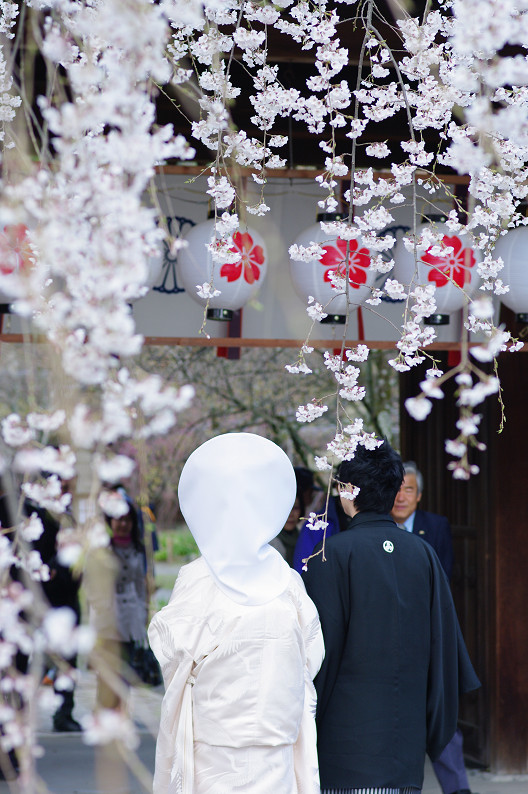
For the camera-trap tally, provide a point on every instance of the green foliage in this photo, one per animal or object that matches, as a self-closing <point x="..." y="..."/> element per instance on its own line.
<point x="175" y="545"/>
<point x="256" y="394"/>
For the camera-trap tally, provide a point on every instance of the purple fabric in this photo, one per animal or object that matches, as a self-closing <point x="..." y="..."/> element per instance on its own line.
<point x="450" y="768"/>
<point x="310" y="539"/>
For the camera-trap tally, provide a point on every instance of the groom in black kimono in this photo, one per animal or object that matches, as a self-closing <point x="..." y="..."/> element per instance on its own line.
<point x="449" y="767"/>
<point x="395" y="659"/>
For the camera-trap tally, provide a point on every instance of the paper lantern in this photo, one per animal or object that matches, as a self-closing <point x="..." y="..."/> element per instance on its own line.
<point x="512" y="248"/>
<point x="453" y="269"/>
<point x="15" y="255"/>
<point x="313" y="278"/>
<point x="238" y="281"/>
<point x="155" y="265"/>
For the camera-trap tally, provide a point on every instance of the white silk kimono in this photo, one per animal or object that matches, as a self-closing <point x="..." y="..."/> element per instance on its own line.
<point x="238" y="714"/>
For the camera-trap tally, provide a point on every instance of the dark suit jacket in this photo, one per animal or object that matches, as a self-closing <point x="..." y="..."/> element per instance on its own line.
<point x="436" y="531"/>
<point x="395" y="659"/>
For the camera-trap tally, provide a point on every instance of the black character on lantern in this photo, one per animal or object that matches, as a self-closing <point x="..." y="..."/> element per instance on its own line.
<point x="175" y="228"/>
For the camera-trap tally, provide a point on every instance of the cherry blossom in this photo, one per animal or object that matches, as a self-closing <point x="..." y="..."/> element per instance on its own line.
<point x="315" y="522"/>
<point x="315" y="310"/>
<point x="322" y="463"/>
<point x="115" y="469"/>
<point x="307" y="413"/>
<point x="207" y="291"/>
<point x="106" y="725"/>
<point x="418" y="407"/>
<point x="32" y="528"/>
<point x="15" y="248"/>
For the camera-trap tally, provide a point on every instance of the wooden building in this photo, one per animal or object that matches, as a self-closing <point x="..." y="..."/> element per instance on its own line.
<point x="489" y="517"/>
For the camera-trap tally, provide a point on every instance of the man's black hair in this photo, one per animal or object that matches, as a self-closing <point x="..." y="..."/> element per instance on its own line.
<point x="378" y="473"/>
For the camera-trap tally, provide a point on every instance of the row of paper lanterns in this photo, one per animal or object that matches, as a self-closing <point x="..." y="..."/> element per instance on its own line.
<point x="450" y="265"/>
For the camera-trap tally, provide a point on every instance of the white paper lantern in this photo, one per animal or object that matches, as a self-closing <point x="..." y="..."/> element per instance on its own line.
<point x="238" y="282"/>
<point x="313" y="278"/>
<point x="452" y="269"/>
<point x="155" y="265"/>
<point x="154" y="262"/>
<point x="513" y="249"/>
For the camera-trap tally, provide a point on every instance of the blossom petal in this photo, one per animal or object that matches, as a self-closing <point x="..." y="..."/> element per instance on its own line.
<point x="438" y="276"/>
<point x="251" y="273"/>
<point x="453" y="242"/>
<point x="357" y="276"/>
<point x="231" y="271"/>
<point x="243" y="241"/>
<point x="331" y="258"/>
<point x="257" y="255"/>
<point x="461" y="275"/>
<point x="431" y="259"/>
<point x="361" y="258"/>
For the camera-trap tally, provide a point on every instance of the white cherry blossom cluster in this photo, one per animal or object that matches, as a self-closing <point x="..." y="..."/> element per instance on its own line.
<point x="107" y="725"/>
<point x="343" y="446"/>
<point x="316" y="522"/>
<point x="311" y="411"/>
<point x="315" y="310"/>
<point x="90" y="238"/>
<point x="346" y="439"/>
<point x="439" y="74"/>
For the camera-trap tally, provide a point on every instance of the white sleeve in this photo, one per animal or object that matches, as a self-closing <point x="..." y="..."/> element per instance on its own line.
<point x="174" y="768"/>
<point x="305" y="749"/>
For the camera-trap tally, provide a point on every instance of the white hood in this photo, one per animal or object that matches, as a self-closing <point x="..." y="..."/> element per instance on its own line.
<point x="236" y="492"/>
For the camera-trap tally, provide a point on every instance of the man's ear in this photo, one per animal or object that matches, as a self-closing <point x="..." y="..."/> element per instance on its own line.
<point x="345" y="488"/>
<point x="418" y="497"/>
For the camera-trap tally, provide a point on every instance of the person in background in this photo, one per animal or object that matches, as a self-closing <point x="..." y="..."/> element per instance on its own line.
<point x="395" y="659"/>
<point x="430" y="527"/>
<point x="147" y="518"/>
<point x="239" y="641"/>
<point x="286" y="540"/>
<point x="305" y="485"/>
<point x="9" y="766"/>
<point x="116" y="592"/>
<point x="449" y="768"/>
<point x="62" y="590"/>
<point x="309" y="538"/>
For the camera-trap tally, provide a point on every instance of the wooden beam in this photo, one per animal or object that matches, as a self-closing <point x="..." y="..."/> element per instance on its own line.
<point x="303" y="172"/>
<point x="223" y="341"/>
<point x="197" y="341"/>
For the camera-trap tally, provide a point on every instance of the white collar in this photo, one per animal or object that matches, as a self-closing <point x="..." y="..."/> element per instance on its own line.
<point x="409" y="522"/>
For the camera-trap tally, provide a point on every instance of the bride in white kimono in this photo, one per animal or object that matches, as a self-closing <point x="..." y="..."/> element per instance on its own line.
<point x="239" y="642"/>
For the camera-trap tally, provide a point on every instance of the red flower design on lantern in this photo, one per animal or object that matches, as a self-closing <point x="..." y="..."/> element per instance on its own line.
<point x="450" y="267"/>
<point x="250" y="262"/>
<point x="15" y="250"/>
<point x="335" y="259"/>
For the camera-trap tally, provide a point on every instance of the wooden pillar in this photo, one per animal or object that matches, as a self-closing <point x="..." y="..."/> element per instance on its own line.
<point x="466" y="505"/>
<point x="489" y="519"/>
<point x="508" y="552"/>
